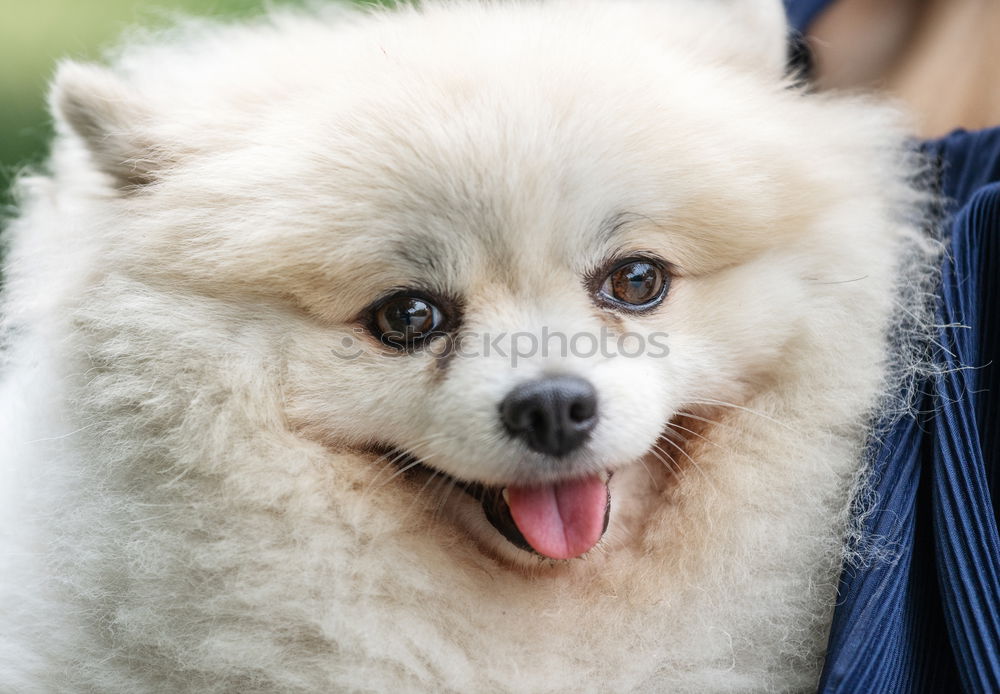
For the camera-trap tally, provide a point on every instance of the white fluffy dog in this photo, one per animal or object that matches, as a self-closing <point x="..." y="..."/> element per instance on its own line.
<point x="269" y="419"/>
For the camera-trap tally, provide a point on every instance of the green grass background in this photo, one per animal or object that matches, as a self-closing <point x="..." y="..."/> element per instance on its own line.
<point x="35" y="34"/>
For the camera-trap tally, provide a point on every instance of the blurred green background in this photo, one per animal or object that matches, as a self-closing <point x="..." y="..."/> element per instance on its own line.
<point x="34" y="34"/>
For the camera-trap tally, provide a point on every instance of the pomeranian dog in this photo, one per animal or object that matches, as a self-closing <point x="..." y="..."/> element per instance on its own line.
<point x="467" y="347"/>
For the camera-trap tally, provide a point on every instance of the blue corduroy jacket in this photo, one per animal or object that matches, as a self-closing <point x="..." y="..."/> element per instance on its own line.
<point x="929" y="621"/>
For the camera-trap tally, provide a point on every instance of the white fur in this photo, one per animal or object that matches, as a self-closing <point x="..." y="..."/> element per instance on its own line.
<point x="187" y="501"/>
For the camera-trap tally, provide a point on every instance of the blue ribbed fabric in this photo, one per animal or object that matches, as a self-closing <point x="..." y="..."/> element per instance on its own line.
<point x="930" y="620"/>
<point x="801" y="13"/>
<point x="968" y="557"/>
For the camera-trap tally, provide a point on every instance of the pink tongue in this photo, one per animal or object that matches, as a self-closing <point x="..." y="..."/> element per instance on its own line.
<point x="561" y="520"/>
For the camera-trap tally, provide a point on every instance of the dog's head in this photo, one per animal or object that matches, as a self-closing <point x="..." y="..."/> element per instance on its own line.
<point x="494" y="245"/>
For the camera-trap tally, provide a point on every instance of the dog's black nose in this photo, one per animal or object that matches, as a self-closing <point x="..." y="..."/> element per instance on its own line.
<point x="552" y="415"/>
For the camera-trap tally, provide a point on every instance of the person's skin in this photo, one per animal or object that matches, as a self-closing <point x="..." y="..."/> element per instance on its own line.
<point x="940" y="57"/>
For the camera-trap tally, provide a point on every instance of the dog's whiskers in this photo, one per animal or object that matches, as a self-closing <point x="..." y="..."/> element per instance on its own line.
<point x="394" y="457"/>
<point x="674" y="425"/>
<point x="652" y="479"/>
<point x="742" y="408"/>
<point x="672" y="465"/>
<point x="385" y="461"/>
<point x="416" y="497"/>
<point x="693" y="462"/>
<point x="680" y="449"/>
<point x="443" y="498"/>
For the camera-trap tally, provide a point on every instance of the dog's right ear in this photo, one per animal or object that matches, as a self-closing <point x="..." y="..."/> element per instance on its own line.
<point x="750" y="35"/>
<point x="754" y="33"/>
<point x="98" y="107"/>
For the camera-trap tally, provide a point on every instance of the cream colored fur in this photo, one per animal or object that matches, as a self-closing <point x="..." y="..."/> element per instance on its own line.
<point x="188" y="504"/>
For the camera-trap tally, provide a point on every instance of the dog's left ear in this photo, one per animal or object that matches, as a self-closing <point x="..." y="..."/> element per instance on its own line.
<point x="754" y="33"/>
<point x="751" y="35"/>
<point x="98" y="107"/>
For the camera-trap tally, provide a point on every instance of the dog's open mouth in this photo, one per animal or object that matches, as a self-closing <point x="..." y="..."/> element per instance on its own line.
<point x="561" y="520"/>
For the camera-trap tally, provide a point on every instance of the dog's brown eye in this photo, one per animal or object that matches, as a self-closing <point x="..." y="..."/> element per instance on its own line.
<point x="636" y="283"/>
<point x="404" y="321"/>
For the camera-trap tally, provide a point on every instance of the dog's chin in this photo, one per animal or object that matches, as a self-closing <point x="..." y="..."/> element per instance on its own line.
<point x="484" y="512"/>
